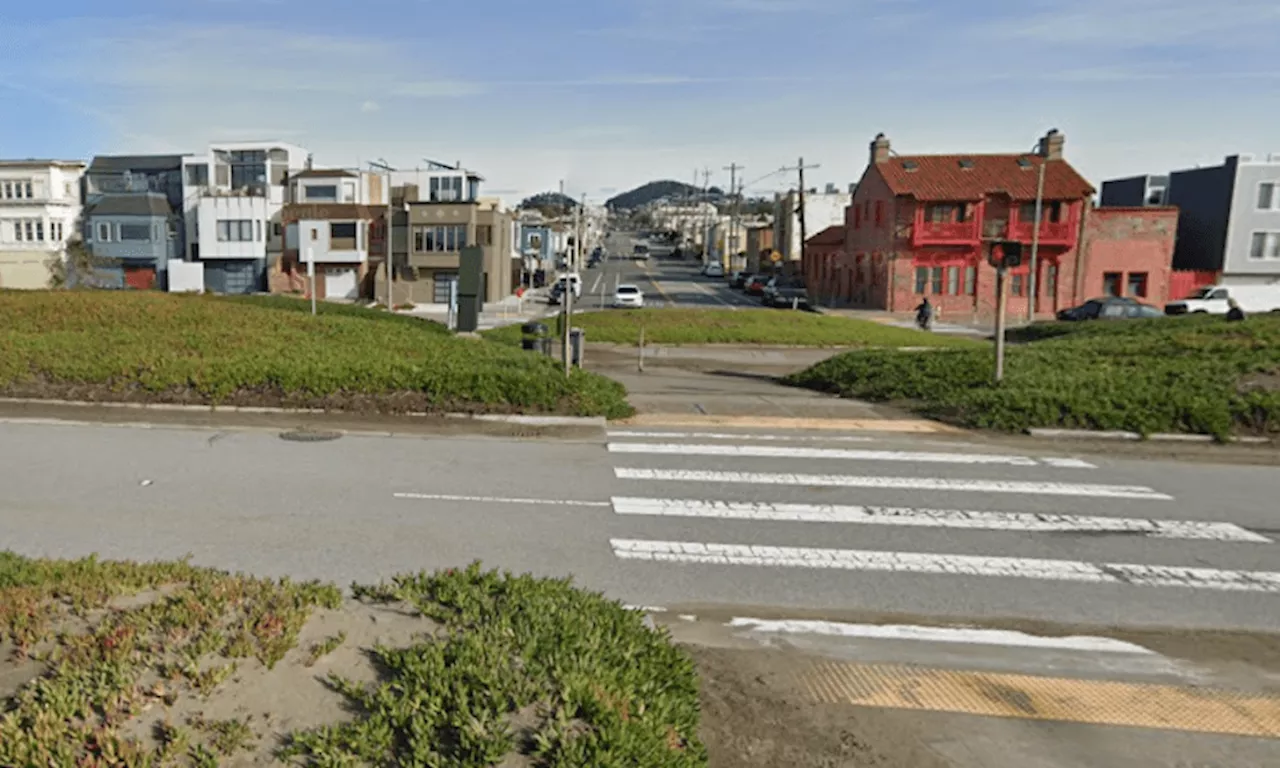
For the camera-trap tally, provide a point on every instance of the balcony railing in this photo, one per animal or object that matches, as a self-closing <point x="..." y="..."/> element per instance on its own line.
<point x="1051" y="232"/>
<point x="945" y="233"/>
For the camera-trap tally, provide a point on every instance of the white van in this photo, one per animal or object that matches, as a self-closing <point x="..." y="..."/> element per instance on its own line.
<point x="574" y="281"/>
<point x="1214" y="300"/>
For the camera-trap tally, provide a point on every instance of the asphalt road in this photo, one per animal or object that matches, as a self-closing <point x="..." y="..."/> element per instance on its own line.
<point x="665" y="281"/>
<point x="838" y="522"/>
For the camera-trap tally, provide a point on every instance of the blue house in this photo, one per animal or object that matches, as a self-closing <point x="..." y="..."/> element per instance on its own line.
<point x="138" y="233"/>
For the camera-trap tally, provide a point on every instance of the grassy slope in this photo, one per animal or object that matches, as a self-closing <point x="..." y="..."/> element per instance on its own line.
<point x="144" y="345"/>
<point x="587" y="682"/>
<point x="745" y="326"/>
<point x="1199" y="375"/>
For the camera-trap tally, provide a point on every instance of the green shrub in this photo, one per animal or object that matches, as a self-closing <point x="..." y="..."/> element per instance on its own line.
<point x="211" y="349"/>
<point x="1198" y="375"/>
<point x="735" y="326"/>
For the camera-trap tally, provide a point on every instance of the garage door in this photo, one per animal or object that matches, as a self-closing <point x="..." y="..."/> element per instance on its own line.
<point x="231" y="276"/>
<point x="140" y="278"/>
<point x="341" y="284"/>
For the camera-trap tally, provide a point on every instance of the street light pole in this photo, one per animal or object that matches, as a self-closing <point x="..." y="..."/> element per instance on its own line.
<point x="1033" y="288"/>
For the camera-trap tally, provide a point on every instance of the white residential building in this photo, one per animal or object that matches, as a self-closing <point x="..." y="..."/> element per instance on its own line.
<point x="39" y="213"/>
<point x="336" y="219"/>
<point x="232" y="198"/>
<point x="821" y="210"/>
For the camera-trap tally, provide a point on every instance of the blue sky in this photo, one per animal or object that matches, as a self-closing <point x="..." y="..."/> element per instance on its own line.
<point x="606" y="94"/>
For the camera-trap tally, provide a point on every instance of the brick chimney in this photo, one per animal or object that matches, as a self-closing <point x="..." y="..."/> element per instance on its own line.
<point x="880" y="149"/>
<point x="1051" y="145"/>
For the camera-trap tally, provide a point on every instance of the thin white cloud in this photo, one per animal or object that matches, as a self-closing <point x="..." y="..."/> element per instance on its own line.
<point x="1122" y="24"/>
<point x="369" y="106"/>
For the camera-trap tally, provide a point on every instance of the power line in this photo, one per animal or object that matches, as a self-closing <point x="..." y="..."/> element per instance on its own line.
<point x="800" y="168"/>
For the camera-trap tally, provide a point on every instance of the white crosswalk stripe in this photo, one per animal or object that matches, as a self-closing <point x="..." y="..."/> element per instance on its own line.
<point x="934" y="518"/>
<point x="895" y="483"/>
<point x="796" y="452"/>
<point x="759" y="476"/>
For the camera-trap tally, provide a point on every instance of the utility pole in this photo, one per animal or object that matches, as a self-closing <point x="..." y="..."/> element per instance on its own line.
<point x="733" y="214"/>
<point x="702" y="217"/>
<point x="386" y="169"/>
<point x="566" y="353"/>
<point x="800" y="168"/>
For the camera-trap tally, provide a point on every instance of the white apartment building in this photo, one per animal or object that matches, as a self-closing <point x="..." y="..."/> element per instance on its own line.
<point x="821" y="210"/>
<point x="232" y="197"/>
<point x="39" y="213"/>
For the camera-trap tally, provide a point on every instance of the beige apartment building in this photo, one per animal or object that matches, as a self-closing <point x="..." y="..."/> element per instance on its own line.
<point x="432" y="227"/>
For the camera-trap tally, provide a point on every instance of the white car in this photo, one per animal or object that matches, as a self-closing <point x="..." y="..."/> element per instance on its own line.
<point x="574" y="280"/>
<point x="714" y="269"/>
<point x="628" y="296"/>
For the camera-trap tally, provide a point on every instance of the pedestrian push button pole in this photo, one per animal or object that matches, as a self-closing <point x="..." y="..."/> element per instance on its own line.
<point x="577" y="341"/>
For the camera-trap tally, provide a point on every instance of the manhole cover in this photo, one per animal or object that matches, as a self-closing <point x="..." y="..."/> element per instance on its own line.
<point x="309" y="435"/>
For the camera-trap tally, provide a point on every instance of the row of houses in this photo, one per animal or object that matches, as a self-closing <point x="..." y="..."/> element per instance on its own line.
<point x="918" y="226"/>
<point x="251" y="217"/>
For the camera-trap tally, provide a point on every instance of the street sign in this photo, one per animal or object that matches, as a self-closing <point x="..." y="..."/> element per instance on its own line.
<point x="775" y="257"/>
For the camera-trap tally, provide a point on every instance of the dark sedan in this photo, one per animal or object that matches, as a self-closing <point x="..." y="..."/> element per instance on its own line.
<point x="1109" y="308"/>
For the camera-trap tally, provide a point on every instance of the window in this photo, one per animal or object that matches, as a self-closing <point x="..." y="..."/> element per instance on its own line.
<point x="1111" y="283"/>
<point x="1267" y="196"/>
<point x="879" y="212"/>
<point x="936" y="274"/>
<point x="248" y="169"/>
<point x="342" y="230"/>
<point x="857" y="217"/>
<point x="198" y="175"/>
<point x="953" y="281"/>
<point x="441" y="290"/>
<point x="1015" y="284"/>
<point x="39" y="230"/>
<point x="135" y="233"/>
<point x="321" y="192"/>
<point x="103" y="232"/>
<point x="26" y="190"/>
<point x="1265" y="245"/>
<point x="922" y="279"/>
<point x="55" y="231"/>
<point x="29" y="227"/>
<point x="440" y="238"/>
<point x="348" y="191"/>
<point x="1051" y="280"/>
<point x="235" y="230"/>
<point x="257" y="230"/>
<point x="1027" y="213"/>
<point x="445" y="189"/>
<point x="6" y="190"/>
<point x="484" y="234"/>
<point x="970" y="280"/>
<point x="276" y="229"/>
<point x="940" y="214"/>
<point x="1138" y="284"/>
<point x="315" y="234"/>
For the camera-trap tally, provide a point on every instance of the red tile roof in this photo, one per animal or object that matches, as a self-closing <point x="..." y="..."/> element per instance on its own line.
<point x="833" y="235"/>
<point x="942" y="177"/>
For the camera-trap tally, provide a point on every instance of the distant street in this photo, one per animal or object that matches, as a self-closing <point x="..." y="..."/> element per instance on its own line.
<point x="665" y="281"/>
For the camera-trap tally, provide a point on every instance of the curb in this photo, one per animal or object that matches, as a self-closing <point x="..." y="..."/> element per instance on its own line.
<point x="1161" y="437"/>
<point x="517" y="418"/>
<point x="905" y="426"/>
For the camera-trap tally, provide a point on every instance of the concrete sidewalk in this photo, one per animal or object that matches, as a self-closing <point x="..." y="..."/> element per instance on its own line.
<point x="940" y="325"/>
<point x="511" y="310"/>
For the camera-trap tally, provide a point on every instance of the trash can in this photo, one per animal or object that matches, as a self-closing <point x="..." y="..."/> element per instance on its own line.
<point x="534" y="338"/>
<point x="576" y="338"/>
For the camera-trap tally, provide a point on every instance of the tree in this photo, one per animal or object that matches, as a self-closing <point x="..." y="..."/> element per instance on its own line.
<point x="80" y="268"/>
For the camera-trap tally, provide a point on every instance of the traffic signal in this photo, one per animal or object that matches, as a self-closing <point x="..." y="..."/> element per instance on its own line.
<point x="1012" y="251"/>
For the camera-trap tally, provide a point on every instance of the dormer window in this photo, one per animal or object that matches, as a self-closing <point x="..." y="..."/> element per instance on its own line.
<point x="966" y="164"/>
<point x="910" y="165"/>
<point x="446" y="189"/>
<point x="1024" y="163"/>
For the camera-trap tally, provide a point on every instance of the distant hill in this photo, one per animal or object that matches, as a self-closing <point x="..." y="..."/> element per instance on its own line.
<point x="550" y="203"/>
<point x="656" y="190"/>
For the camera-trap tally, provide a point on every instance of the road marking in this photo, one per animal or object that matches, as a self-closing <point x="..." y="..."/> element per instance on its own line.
<point x="596" y="284"/>
<point x="791" y="452"/>
<point x="893" y="483"/>
<point x="742" y="436"/>
<point x="500" y="500"/>
<point x="713" y="294"/>
<point x="693" y="552"/>
<point x="1064" y="463"/>
<point x="1029" y="522"/>
<point x="991" y="694"/>
<point x="913" y="426"/>
<point x="962" y="635"/>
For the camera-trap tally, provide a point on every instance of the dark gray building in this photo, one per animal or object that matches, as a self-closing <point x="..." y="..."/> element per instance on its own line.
<point x="1135" y="191"/>
<point x="1229" y="216"/>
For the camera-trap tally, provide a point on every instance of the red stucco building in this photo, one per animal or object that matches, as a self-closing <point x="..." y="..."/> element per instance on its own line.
<point x="919" y="226"/>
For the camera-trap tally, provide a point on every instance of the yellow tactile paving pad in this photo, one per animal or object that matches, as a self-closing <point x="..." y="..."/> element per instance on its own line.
<point x="1096" y="702"/>
<point x="782" y="422"/>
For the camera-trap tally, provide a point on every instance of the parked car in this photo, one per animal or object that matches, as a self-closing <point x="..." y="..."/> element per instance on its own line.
<point x="628" y="295"/>
<point x="640" y="251"/>
<point x="1214" y="300"/>
<point x="755" y="286"/>
<point x="713" y="269"/>
<point x="574" y="280"/>
<point x="739" y="279"/>
<point x="785" y="292"/>
<point x="1109" y="308"/>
